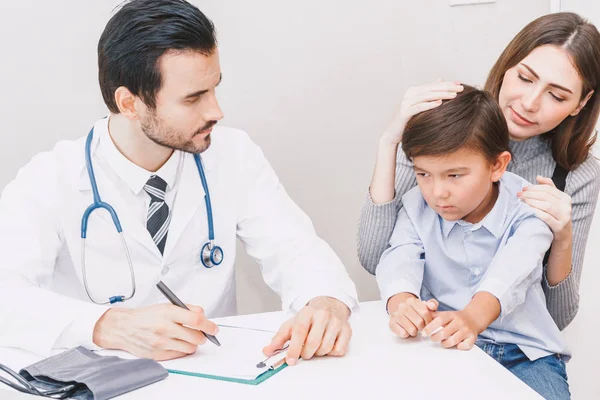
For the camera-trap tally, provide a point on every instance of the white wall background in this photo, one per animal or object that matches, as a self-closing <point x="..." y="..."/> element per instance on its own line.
<point x="313" y="82"/>
<point x="316" y="83"/>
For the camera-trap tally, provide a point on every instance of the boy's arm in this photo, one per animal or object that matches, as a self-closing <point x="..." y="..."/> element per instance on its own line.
<point x="482" y="310"/>
<point x="401" y="267"/>
<point x="460" y="328"/>
<point x="514" y="269"/>
<point x="518" y="265"/>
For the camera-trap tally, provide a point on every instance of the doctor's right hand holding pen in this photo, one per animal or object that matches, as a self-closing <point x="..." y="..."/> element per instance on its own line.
<point x="159" y="332"/>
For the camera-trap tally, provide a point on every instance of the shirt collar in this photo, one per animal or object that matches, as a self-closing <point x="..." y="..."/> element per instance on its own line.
<point x="447" y="226"/>
<point x="133" y="175"/>
<point x="493" y="221"/>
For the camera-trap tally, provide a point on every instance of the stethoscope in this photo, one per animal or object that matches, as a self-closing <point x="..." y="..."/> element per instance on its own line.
<point x="210" y="255"/>
<point x="24" y="386"/>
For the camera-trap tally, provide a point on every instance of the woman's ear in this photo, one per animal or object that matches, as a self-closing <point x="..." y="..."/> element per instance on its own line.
<point x="582" y="104"/>
<point x="500" y="165"/>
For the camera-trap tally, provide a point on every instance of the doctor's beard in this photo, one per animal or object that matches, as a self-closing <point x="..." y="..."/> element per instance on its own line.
<point x="161" y="134"/>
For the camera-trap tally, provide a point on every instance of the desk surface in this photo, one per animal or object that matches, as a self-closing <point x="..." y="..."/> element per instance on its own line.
<point x="377" y="364"/>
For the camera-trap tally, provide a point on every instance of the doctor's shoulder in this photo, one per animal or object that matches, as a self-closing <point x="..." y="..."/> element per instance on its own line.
<point x="231" y="144"/>
<point x="42" y="174"/>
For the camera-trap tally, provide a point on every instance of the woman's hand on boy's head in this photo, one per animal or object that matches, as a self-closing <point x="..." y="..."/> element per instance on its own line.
<point x="453" y="329"/>
<point x="409" y="315"/>
<point x="416" y="100"/>
<point x="552" y="206"/>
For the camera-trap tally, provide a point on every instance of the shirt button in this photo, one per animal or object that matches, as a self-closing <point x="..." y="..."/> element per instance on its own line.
<point x="165" y="270"/>
<point x="477" y="272"/>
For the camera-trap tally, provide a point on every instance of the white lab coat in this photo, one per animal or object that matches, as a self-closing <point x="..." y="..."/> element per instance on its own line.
<point x="42" y="298"/>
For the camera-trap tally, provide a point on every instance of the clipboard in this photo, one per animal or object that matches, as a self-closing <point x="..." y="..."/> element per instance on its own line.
<point x="260" y="379"/>
<point x="236" y="360"/>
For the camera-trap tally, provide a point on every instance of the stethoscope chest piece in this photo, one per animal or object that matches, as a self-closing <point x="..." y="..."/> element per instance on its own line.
<point x="211" y="255"/>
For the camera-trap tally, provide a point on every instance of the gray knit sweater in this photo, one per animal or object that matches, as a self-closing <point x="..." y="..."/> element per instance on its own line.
<point x="530" y="158"/>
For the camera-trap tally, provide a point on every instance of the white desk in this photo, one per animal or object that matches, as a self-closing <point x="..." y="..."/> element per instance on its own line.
<point x="377" y="365"/>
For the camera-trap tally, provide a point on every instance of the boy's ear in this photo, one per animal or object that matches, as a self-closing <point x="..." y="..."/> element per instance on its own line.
<point x="500" y="165"/>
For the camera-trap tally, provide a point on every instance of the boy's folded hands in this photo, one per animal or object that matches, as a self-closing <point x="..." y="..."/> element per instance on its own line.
<point x="409" y="314"/>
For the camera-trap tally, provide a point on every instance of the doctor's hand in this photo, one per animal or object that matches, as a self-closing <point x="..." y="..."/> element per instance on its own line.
<point x="159" y="332"/>
<point x="320" y="328"/>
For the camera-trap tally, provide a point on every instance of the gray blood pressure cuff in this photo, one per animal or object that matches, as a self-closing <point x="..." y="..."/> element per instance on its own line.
<point x="98" y="377"/>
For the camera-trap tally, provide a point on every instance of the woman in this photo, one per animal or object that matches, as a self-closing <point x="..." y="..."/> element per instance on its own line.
<point x="546" y="82"/>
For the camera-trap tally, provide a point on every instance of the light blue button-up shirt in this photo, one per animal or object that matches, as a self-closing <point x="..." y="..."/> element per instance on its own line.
<point x="451" y="261"/>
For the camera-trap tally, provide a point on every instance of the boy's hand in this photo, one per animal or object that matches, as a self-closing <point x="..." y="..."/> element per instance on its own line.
<point x="458" y="329"/>
<point x="409" y="315"/>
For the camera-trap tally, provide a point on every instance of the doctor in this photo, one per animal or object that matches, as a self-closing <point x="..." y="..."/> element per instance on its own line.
<point x="158" y="71"/>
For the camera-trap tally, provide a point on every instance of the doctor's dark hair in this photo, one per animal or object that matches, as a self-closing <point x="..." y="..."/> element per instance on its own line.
<point x="136" y="37"/>
<point x="472" y="120"/>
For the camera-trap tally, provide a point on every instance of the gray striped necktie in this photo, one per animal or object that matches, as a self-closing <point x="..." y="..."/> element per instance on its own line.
<point x="159" y="216"/>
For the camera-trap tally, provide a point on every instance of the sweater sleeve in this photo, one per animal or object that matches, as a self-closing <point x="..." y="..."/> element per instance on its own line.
<point x="583" y="184"/>
<point x="377" y="220"/>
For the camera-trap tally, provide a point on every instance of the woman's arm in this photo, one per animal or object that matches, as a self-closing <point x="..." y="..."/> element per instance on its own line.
<point x="560" y="259"/>
<point x="392" y="178"/>
<point x="554" y="207"/>
<point x="562" y="298"/>
<point x="377" y="220"/>
<point x="382" y="187"/>
<point x="570" y="219"/>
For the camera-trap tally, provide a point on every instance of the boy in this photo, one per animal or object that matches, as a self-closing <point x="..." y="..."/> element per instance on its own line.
<point x="465" y="244"/>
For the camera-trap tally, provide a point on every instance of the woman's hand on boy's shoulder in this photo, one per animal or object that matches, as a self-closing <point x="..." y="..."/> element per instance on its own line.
<point x="552" y="206"/>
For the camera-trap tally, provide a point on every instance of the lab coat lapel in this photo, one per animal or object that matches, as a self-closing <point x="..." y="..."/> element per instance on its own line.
<point x="189" y="197"/>
<point x="132" y="227"/>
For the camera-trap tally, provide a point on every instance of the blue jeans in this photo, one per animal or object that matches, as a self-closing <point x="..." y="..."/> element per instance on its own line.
<point x="546" y="375"/>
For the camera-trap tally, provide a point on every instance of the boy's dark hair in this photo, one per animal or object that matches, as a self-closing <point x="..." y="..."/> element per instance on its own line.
<point x="472" y="120"/>
<point x="138" y="35"/>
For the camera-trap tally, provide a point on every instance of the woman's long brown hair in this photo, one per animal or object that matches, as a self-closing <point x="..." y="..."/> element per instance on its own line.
<point x="572" y="140"/>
